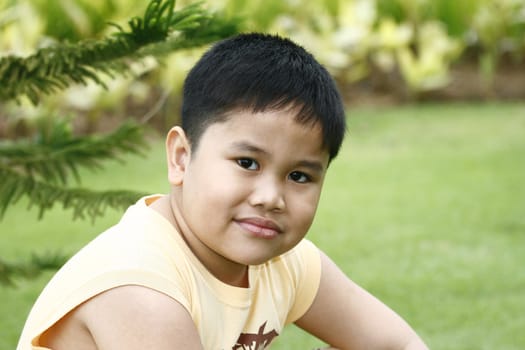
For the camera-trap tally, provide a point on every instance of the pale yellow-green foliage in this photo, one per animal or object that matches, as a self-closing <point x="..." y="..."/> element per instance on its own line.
<point x="21" y="28"/>
<point x="347" y="36"/>
<point x="490" y="29"/>
<point x="430" y="68"/>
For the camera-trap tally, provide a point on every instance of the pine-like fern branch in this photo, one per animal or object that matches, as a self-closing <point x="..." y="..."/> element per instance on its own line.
<point x="212" y="28"/>
<point x="55" y="154"/>
<point x="54" y="68"/>
<point x="84" y="202"/>
<point x="30" y="269"/>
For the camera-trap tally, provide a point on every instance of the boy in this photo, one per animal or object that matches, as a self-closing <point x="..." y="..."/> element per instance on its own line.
<point x="221" y="262"/>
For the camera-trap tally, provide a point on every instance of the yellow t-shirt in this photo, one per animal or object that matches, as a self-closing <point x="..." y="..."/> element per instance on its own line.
<point x="145" y="249"/>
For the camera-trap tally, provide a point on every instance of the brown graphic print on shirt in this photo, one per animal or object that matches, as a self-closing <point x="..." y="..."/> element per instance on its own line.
<point x="255" y="341"/>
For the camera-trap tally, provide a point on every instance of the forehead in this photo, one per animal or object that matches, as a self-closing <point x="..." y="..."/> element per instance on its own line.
<point x="279" y="130"/>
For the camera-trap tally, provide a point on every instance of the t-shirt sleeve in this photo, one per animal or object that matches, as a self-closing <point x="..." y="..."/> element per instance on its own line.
<point x="308" y="268"/>
<point x="134" y="252"/>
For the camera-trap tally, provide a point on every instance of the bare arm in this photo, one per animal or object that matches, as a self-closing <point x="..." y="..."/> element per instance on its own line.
<point x="347" y="317"/>
<point x="134" y="317"/>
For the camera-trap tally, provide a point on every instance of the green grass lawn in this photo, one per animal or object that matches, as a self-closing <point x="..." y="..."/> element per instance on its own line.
<point x="425" y="207"/>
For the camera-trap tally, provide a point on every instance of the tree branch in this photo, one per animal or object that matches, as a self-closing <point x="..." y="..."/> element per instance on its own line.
<point x="55" y="154"/>
<point x="84" y="202"/>
<point x="54" y="68"/>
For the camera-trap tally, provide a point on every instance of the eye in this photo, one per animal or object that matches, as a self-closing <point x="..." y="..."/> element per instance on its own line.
<point x="300" y="177"/>
<point x="248" y="163"/>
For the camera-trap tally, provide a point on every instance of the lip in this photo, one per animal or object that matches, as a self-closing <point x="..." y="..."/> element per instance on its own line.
<point x="260" y="227"/>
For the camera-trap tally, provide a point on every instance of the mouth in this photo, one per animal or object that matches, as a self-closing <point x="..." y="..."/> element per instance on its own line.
<point x="260" y="227"/>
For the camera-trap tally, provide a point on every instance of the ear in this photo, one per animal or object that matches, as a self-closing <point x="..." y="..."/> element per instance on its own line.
<point x="178" y="153"/>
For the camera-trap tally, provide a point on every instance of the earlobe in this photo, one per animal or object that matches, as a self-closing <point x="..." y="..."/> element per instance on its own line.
<point x="178" y="155"/>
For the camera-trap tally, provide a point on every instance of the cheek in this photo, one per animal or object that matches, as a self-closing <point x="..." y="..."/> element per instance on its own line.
<point x="213" y="190"/>
<point x="304" y="210"/>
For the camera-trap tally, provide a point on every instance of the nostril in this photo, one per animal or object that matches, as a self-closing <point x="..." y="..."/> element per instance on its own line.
<point x="268" y="196"/>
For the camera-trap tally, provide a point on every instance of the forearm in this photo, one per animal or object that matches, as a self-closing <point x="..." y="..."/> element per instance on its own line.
<point x="414" y="344"/>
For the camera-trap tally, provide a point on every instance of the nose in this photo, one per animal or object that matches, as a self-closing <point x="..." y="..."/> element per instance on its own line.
<point x="268" y="193"/>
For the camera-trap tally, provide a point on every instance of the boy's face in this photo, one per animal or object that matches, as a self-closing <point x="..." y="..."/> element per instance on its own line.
<point x="251" y="189"/>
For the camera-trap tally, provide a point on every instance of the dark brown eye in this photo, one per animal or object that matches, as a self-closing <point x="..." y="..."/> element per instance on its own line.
<point x="248" y="163"/>
<point x="299" y="177"/>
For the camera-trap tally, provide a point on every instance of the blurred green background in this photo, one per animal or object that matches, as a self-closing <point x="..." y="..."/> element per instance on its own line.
<point x="425" y="206"/>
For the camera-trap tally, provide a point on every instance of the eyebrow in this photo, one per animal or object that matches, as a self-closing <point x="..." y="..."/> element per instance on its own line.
<point x="313" y="165"/>
<point x="246" y="146"/>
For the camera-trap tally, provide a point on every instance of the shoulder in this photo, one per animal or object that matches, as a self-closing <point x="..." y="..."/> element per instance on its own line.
<point x="127" y="279"/>
<point x="294" y="278"/>
<point x="302" y="261"/>
<point x="136" y="317"/>
<point x="127" y="300"/>
<point x="127" y="317"/>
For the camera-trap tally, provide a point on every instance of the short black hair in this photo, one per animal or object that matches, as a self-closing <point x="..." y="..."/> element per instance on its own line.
<point x="261" y="72"/>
